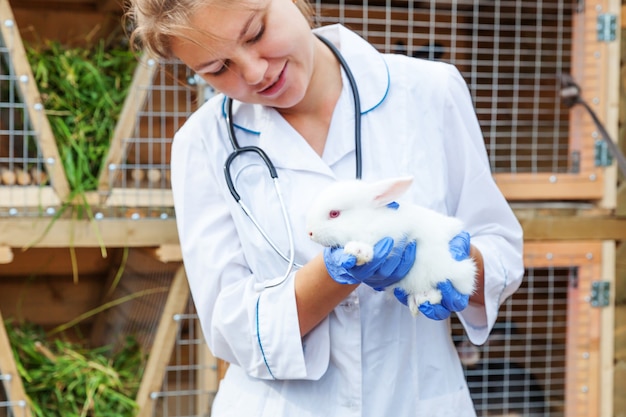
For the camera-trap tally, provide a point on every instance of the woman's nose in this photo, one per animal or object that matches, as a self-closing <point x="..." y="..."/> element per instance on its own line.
<point x="253" y="68"/>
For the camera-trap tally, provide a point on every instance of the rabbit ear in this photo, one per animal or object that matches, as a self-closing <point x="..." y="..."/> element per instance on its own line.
<point x="386" y="191"/>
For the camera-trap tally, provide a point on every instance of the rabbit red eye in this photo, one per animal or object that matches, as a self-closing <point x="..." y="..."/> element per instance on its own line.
<point x="334" y="213"/>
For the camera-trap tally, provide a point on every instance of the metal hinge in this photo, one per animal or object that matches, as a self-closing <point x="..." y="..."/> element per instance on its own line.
<point x="600" y="293"/>
<point x="603" y="157"/>
<point x="607" y="27"/>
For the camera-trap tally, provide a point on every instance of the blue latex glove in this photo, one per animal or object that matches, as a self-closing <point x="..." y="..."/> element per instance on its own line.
<point x="389" y="264"/>
<point x="451" y="300"/>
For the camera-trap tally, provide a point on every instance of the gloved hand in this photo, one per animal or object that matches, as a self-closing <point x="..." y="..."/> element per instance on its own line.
<point x="389" y="264"/>
<point x="452" y="300"/>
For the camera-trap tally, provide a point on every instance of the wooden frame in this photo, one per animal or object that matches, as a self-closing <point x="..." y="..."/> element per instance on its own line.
<point x="163" y="344"/>
<point x="595" y="67"/>
<point x="32" y="99"/>
<point x="13" y="385"/>
<point x="143" y="77"/>
<point x="589" y="380"/>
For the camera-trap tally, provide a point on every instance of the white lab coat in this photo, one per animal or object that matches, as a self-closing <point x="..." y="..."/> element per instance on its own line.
<point x="369" y="357"/>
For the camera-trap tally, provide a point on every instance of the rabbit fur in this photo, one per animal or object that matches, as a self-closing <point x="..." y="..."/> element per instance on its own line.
<point x="356" y="214"/>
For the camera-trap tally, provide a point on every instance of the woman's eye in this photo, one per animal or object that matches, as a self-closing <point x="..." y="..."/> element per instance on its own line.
<point x="258" y="36"/>
<point x="221" y="70"/>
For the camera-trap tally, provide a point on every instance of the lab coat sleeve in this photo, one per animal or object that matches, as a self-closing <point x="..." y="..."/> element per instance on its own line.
<point x="255" y="330"/>
<point x="475" y="198"/>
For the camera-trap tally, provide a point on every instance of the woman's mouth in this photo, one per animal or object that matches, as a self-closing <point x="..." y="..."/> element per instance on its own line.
<point x="275" y="87"/>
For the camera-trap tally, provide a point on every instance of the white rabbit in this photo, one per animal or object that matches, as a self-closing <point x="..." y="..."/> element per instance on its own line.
<point x="356" y="214"/>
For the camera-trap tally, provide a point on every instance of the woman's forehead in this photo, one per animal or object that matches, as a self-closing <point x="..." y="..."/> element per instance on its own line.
<point x="217" y="16"/>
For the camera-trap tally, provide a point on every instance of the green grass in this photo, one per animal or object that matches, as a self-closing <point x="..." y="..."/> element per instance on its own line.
<point x="83" y="91"/>
<point x="66" y="379"/>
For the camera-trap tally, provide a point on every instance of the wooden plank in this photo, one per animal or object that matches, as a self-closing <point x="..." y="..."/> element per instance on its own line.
<point x="32" y="100"/>
<point x="63" y="233"/>
<point x="72" y="25"/>
<point x="49" y="301"/>
<point x="607" y="332"/>
<point x="574" y="228"/>
<point x="561" y="254"/>
<point x="55" y="262"/>
<point x="222" y="367"/>
<point x="609" y="96"/>
<point x="163" y="345"/>
<point x="12" y="386"/>
<point x="28" y="196"/>
<point x="168" y="253"/>
<point x="545" y="186"/>
<point x="152" y="233"/>
<point x="6" y="254"/>
<point x="140" y="197"/>
<point x="137" y="93"/>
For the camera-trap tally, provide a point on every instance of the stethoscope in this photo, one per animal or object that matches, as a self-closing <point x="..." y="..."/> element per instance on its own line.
<point x="239" y="150"/>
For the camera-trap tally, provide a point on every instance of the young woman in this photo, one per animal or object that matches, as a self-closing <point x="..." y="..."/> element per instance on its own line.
<point x="302" y="341"/>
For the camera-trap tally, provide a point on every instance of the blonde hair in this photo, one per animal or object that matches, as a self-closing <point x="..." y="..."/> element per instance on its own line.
<point x="154" y="23"/>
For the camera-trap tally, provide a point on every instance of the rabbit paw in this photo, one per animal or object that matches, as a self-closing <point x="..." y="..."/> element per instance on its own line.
<point x="417" y="299"/>
<point x="361" y="251"/>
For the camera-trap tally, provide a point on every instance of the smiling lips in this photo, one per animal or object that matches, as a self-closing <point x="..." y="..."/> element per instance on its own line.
<point x="276" y="86"/>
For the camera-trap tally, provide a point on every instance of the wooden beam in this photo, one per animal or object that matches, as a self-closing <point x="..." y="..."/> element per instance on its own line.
<point x="163" y="234"/>
<point x="13" y="384"/>
<point x="163" y="345"/>
<point x="135" y="100"/>
<point x="114" y="233"/>
<point x="607" y="332"/>
<point x="6" y="254"/>
<point x="574" y="228"/>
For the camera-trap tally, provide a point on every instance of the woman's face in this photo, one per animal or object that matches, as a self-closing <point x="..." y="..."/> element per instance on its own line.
<point x="261" y="52"/>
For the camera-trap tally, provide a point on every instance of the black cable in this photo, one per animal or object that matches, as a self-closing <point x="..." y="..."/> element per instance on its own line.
<point x="570" y="94"/>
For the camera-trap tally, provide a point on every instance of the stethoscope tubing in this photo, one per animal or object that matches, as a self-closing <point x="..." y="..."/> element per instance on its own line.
<point x="239" y="150"/>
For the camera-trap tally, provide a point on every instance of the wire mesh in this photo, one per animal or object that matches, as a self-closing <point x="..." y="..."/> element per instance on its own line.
<point x="22" y="167"/>
<point x="190" y="382"/>
<point x="525" y="368"/>
<point x="142" y="177"/>
<point x="510" y="53"/>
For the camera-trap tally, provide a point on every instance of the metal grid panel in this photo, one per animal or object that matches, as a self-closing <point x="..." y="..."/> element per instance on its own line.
<point x="510" y="53"/>
<point x="23" y="178"/>
<point x="190" y="382"/>
<point x="142" y="177"/>
<point x="539" y="359"/>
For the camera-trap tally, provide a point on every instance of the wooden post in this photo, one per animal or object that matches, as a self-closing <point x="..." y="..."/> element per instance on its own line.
<point x="137" y="93"/>
<point x="13" y="384"/>
<point x="607" y="331"/>
<point x="163" y="344"/>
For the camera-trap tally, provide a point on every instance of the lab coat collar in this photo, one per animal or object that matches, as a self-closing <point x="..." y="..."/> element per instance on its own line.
<point x="276" y="138"/>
